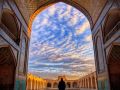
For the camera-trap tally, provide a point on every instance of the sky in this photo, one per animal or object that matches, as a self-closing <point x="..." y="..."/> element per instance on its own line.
<point x="61" y="43"/>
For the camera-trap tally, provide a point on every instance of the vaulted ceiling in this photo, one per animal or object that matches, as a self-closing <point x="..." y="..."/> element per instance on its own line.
<point x="91" y="8"/>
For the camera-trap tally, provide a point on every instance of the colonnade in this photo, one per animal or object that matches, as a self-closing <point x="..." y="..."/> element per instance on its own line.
<point x="69" y="84"/>
<point x="88" y="81"/>
<point x="35" y="82"/>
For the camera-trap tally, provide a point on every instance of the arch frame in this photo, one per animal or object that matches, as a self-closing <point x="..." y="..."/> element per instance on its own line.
<point x="52" y="2"/>
<point x="13" y="14"/>
<point x="111" y="12"/>
<point x="49" y="85"/>
<point x="13" y="60"/>
<point x="10" y="49"/>
<point x="17" y="24"/>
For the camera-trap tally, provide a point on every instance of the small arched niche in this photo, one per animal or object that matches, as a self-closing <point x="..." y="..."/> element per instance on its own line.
<point x="112" y="23"/>
<point x="49" y="85"/>
<point x="10" y="25"/>
<point x="75" y="85"/>
<point x="55" y="85"/>
<point x="68" y="85"/>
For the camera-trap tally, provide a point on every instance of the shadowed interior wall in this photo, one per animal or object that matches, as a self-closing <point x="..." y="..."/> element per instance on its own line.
<point x="114" y="68"/>
<point x="7" y="69"/>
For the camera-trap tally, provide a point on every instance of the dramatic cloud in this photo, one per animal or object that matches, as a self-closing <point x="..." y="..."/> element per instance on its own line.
<point x="83" y="28"/>
<point x="61" y="43"/>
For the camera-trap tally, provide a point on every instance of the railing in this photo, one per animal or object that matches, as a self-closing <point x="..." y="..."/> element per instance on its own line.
<point x="112" y="32"/>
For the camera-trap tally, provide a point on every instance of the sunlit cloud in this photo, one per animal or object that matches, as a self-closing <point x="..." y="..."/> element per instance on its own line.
<point x="66" y="13"/>
<point x="61" y="43"/>
<point x="44" y="22"/>
<point x="52" y="10"/>
<point x="83" y="28"/>
<point x="89" y="38"/>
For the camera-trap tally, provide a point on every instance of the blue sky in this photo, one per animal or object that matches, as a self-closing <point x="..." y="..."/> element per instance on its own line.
<point x="61" y="43"/>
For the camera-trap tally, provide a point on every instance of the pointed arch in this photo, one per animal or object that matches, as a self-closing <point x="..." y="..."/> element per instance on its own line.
<point x="7" y="68"/>
<point x="51" y="2"/>
<point x="111" y="24"/>
<point x="10" y="25"/>
<point x="113" y="67"/>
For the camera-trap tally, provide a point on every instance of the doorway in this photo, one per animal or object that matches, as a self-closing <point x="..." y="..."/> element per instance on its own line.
<point x="7" y="69"/>
<point x="114" y="67"/>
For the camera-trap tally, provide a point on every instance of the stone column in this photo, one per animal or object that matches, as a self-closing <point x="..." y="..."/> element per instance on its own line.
<point x="36" y="84"/>
<point x="85" y="83"/>
<point x="89" y="85"/>
<point x="79" y="84"/>
<point x="52" y="85"/>
<point x="39" y="84"/>
<point x="31" y="84"/>
<point x="71" y="84"/>
<point x="82" y="83"/>
<point x="95" y="83"/>
<point x="91" y="82"/>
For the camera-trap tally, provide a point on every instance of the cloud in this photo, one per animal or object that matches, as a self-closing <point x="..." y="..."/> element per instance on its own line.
<point x="56" y="47"/>
<point x="66" y="13"/>
<point x="51" y="10"/>
<point x="88" y="38"/>
<point x="85" y="26"/>
<point x="44" y="22"/>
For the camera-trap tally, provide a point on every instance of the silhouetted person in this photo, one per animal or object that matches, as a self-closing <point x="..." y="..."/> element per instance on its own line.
<point x="61" y="85"/>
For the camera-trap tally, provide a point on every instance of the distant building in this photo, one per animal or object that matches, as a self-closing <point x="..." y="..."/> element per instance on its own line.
<point x="70" y="84"/>
<point x="87" y="82"/>
<point x="35" y="83"/>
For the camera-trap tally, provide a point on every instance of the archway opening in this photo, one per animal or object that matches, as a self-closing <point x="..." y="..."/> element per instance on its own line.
<point x="75" y="85"/>
<point x="68" y="85"/>
<point x="10" y="25"/>
<point x="7" y="69"/>
<point x="49" y="85"/>
<point x="61" y="43"/>
<point x="113" y="66"/>
<point x="55" y="85"/>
